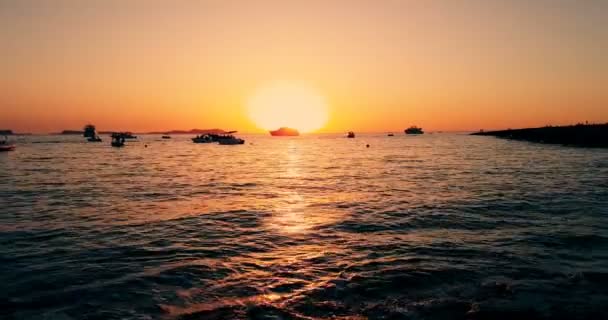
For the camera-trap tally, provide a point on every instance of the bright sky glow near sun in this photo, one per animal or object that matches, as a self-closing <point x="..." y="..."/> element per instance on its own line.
<point x="285" y="104"/>
<point x="327" y="66"/>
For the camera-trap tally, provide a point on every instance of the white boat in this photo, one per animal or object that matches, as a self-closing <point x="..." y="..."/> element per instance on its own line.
<point x="5" y="146"/>
<point x="231" y="141"/>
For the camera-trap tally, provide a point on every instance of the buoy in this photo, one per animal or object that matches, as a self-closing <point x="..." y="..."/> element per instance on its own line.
<point x="367" y="145"/>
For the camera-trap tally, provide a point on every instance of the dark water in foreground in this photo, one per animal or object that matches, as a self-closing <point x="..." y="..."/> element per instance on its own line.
<point x="433" y="227"/>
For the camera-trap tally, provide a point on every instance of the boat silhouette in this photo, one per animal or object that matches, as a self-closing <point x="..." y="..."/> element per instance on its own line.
<point x="413" y="130"/>
<point x="224" y="138"/>
<point x="231" y="141"/>
<point x="89" y="131"/>
<point x="285" y="132"/>
<point x="5" y="146"/>
<point x="118" y="140"/>
<point x="204" y="138"/>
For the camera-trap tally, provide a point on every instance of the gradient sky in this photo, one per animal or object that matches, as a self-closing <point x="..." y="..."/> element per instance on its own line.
<point x="381" y="65"/>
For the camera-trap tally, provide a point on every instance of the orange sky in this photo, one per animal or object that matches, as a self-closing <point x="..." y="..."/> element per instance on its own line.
<point x="380" y="65"/>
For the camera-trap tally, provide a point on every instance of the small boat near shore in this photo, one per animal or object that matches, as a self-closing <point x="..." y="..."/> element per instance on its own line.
<point x="5" y="146"/>
<point x="94" y="139"/>
<point x="8" y="147"/>
<point x="166" y="137"/>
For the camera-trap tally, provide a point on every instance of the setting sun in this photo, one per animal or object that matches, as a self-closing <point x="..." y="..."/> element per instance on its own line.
<point x="287" y="105"/>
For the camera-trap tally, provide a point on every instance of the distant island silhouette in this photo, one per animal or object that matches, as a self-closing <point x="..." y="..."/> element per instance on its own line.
<point x="7" y="132"/>
<point x="192" y="131"/>
<point x="581" y="135"/>
<point x="72" y="132"/>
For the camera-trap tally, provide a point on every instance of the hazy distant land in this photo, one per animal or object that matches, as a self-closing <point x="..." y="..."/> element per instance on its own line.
<point x="191" y="131"/>
<point x="7" y="132"/>
<point x="72" y="132"/>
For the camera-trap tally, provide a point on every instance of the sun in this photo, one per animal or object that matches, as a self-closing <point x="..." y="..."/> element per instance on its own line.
<point x="287" y="104"/>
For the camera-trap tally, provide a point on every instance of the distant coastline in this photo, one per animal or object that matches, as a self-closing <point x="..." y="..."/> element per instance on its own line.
<point x="71" y="132"/>
<point x="192" y="131"/>
<point x="80" y="132"/>
<point x="580" y="135"/>
<point x="7" y="132"/>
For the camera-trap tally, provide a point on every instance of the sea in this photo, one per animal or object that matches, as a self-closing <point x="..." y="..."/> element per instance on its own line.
<point x="436" y="226"/>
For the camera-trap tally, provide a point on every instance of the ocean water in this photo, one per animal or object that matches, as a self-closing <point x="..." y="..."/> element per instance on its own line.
<point x="440" y="226"/>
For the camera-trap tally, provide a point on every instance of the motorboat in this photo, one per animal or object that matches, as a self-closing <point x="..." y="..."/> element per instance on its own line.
<point x="413" y="130"/>
<point x="89" y="131"/>
<point x="5" y="146"/>
<point x="224" y="136"/>
<point x="94" y="139"/>
<point x="166" y="137"/>
<point x="118" y="140"/>
<point x="231" y="141"/>
<point x="285" y="132"/>
<point x="350" y="134"/>
<point x="391" y="134"/>
<point x="203" y="139"/>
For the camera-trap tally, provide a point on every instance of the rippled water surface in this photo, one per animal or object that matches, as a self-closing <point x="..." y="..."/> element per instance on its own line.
<point x="440" y="226"/>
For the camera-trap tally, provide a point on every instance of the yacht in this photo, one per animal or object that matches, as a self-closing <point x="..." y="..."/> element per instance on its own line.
<point x="285" y="132"/>
<point x="413" y="130"/>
